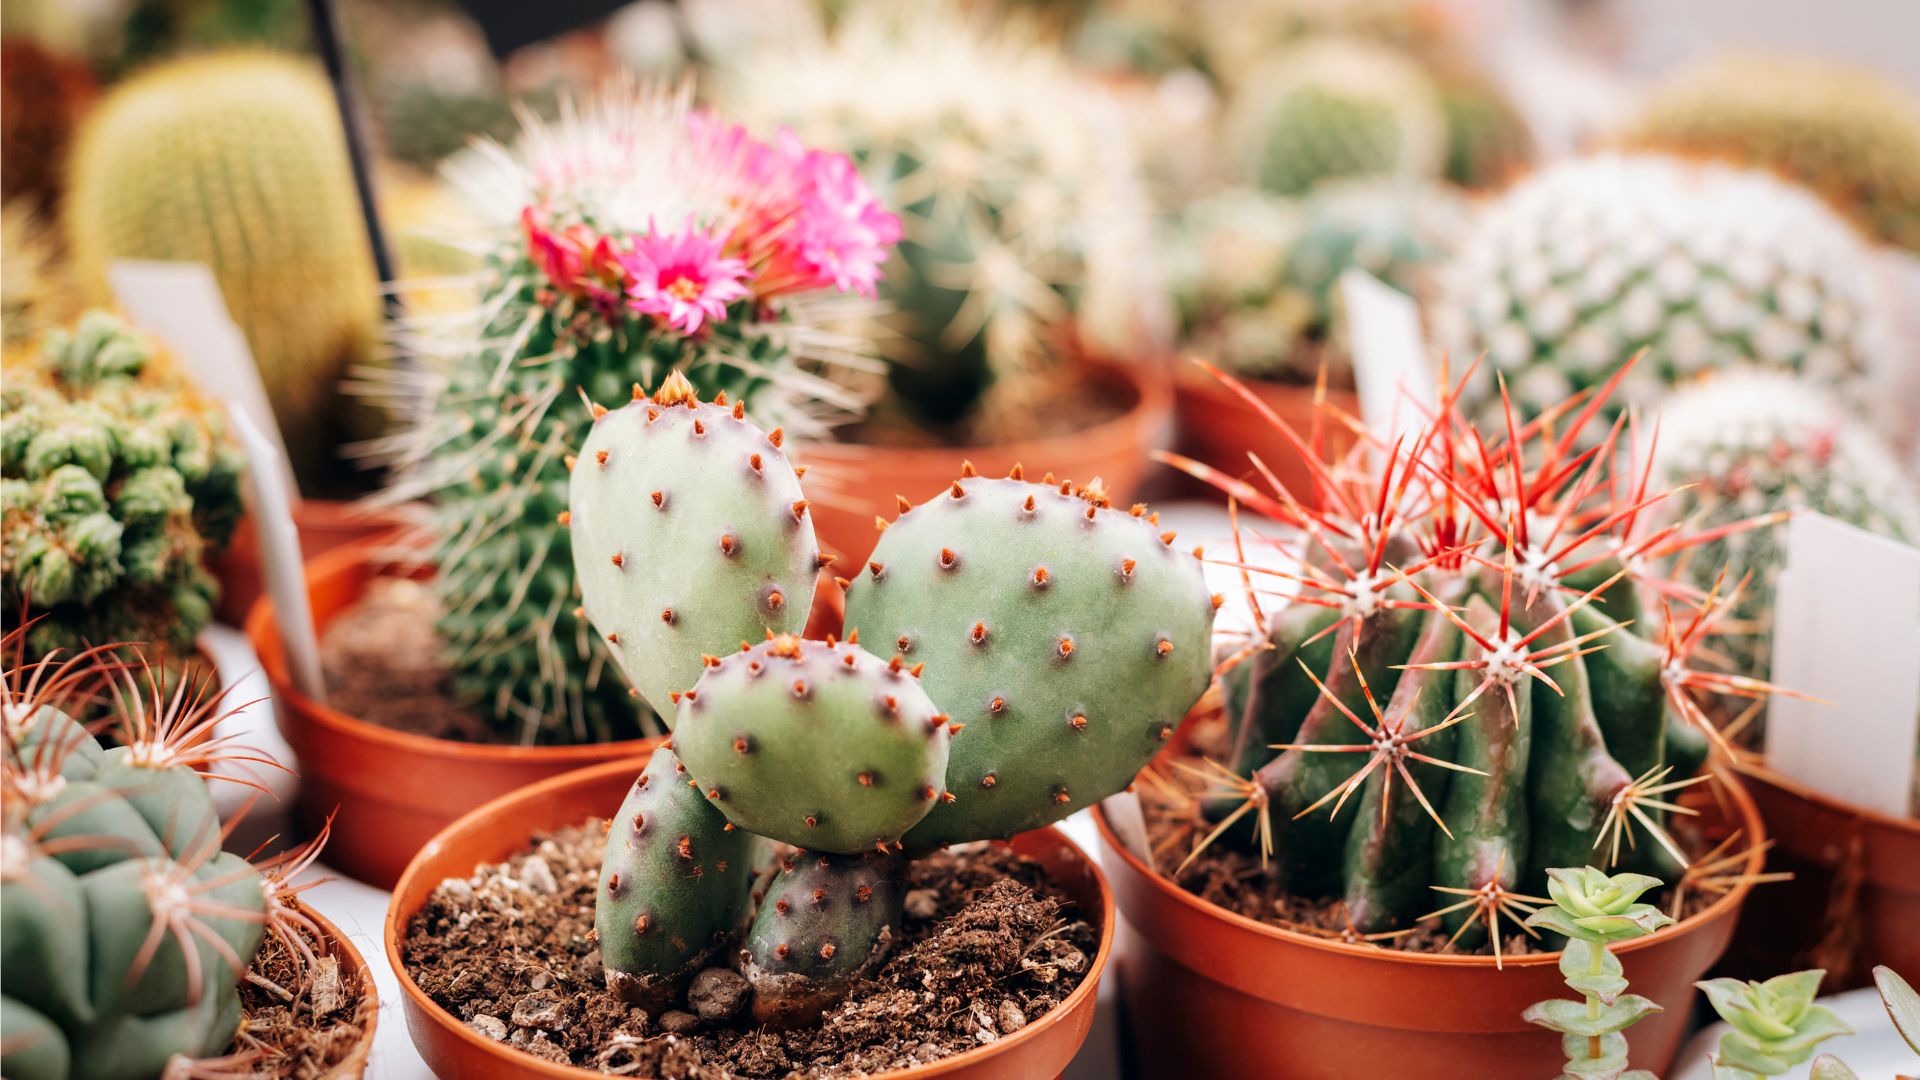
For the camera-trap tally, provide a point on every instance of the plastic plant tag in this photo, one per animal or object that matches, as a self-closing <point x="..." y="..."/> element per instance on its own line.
<point x="1129" y="824"/>
<point x="1390" y="367"/>
<point x="1847" y="630"/>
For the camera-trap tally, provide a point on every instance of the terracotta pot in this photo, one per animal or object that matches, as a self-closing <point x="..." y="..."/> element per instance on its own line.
<point x="390" y="791"/>
<point x="1211" y="993"/>
<point x="367" y="1014"/>
<point x="324" y="524"/>
<point x="507" y="826"/>
<point x="1854" y="900"/>
<point x="851" y="483"/>
<point x="1218" y="427"/>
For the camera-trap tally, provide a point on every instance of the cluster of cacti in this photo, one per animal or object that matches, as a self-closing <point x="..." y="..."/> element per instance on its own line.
<point x="1026" y="225"/>
<point x="1472" y="658"/>
<point x="631" y="240"/>
<point x="124" y="928"/>
<point x="1338" y="109"/>
<point x="1753" y="442"/>
<point x="1850" y="135"/>
<point x="1592" y="911"/>
<point x="1775" y="1026"/>
<point x="118" y="482"/>
<point x="238" y="161"/>
<point x="1043" y="646"/>
<point x="1702" y="265"/>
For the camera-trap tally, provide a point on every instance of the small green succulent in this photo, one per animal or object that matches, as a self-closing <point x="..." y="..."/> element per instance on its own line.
<point x="1594" y="910"/>
<point x="1775" y="1024"/>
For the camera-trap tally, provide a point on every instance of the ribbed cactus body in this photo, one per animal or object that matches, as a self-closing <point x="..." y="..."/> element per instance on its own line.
<point x="1754" y="442"/>
<point x="238" y="161"/>
<point x="1580" y="266"/>
<point x="118" y="482"/>
<point x="825" y="921"/>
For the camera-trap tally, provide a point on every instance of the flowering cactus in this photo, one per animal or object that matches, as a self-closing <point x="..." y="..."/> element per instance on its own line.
<point x="1593" y="911"/>
<point x="1775" y="1024"/>
<point x="1044" y="646"/>
<point x="631" y="240"/>
<point x="118" y="482"/>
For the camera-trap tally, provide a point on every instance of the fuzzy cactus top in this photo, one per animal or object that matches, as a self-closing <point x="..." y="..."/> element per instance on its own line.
<point x="119" y="480"/>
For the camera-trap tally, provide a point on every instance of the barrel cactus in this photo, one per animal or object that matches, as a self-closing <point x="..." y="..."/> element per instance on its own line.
<point x="1026" y="224"/>
<point x="1042" y="647"/>
<point x="1702" y="265"/>
<point x="119" y="481"/>
<point x="126" y="928"/>
<point x="1754" y="442"/>
<point x="237" y="160"/>
<point x="631" y="243"/>
<point x="1848" y="134"/>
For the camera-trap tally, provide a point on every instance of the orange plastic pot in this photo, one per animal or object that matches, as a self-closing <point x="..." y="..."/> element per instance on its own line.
<point x="323" y="524"/>
<point x="850" y="483"/>
<point x="390" y="791"/>
<point x="1219" y="427"/>
<point x="1211" y="993"/>
<point x="367" y="1013"/>
<point x="1854" y="900"/>
<point x="507" y="826"/>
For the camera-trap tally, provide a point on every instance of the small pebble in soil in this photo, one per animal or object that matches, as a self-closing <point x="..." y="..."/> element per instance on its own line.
<point x="717" y="994"/>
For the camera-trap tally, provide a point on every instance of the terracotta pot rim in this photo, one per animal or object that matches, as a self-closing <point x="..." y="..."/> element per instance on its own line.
<point x="1153" y="396"/>
<point x="394" y="926"/>
<point x="367" y="1010"/>
<point x="1757" y="769"/>
<point x="1727" y="904"/>
<point x="274" y="664"/>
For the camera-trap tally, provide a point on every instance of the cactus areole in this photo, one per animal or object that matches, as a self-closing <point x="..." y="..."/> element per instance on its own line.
<point x="1039" y="647"/>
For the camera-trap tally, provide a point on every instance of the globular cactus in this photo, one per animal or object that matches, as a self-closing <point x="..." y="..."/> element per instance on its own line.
<point x="1330" y="109"/>
<point x="118" y="481"/>
<point x="1702" y="265"/>
<point x="1775" y="1024"/>
<point x="674" y="245"/>
<point x="1848" y="134"/>
<point x="237" y="160"/>
<point x="979" y="134"/>
<point x="1069" y="639"/>
<point x="689" y="533"/>
<point x="1592" y="911"/>
<point x="124" y="928"/>
<point x="825" y="921"/>
<point x="1489" y="143"/>
<point x="1756" y="442"/>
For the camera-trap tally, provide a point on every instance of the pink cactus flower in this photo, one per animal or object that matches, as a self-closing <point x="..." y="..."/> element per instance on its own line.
<point x="683" y="277"/>
<point x="841" y="234"/>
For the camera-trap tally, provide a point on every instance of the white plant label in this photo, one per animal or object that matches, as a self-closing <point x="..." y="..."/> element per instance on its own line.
<point x="1847" y="630"/>
<point x="1390" y="366"/>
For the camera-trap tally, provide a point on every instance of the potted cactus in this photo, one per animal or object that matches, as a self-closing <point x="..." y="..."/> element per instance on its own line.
<point x="1025" y="268"/>
<point x="1451" y="700"/>
<point x="630" y="239"/>
<point x="135" y="947"/>
<point x="1043" y="646"/>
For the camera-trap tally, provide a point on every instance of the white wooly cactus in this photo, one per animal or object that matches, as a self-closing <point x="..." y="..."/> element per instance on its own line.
<point x="1751" y="442"/>
<point x="1705" y="266"/>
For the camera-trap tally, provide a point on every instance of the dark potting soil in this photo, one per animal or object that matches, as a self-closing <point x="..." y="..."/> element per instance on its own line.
<point x="989" y="945"/>
<point x="386" y="664"/>
<point x="301" y="1019"/>
<point x="1237" y="880"/>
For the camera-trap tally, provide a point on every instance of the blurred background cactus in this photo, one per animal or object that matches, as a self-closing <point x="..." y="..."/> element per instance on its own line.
<point x="1753" y="442"/>
<point x="1849" y="134"/>
<point x="1703" y="265"/>
<point x="1027" y="232"/>
<point x="119" y="480"/>
<point x="237" y="160"/>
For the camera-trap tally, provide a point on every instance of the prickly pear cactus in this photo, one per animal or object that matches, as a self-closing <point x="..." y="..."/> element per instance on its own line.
<point x="237" y="160"/>
<point x="1848" y="134"/>
<point x="1068" y="638"/>
<point x="1704" y="266"/>
<point x="689" y="534"/>
<point x="673" y="883"/>
<point x="1334" y="108"/>
<point x="118" y="481"/>
<point x="1757" y="442"/>
<point x="820" y="745"/>
<point x="825" y="921"/>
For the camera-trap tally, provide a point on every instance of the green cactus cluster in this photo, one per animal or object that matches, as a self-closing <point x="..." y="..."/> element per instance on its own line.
<point x="1593" y="910"/>
<point x="1847" y="133"/>
<point x="124" y="929"/>
<point x="237" y="160"/>
<point x="1753" y="442"/>
<point x="116" y="482"/>
<point x="1043" y="646"/>
<point x="1702" y="265"/>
